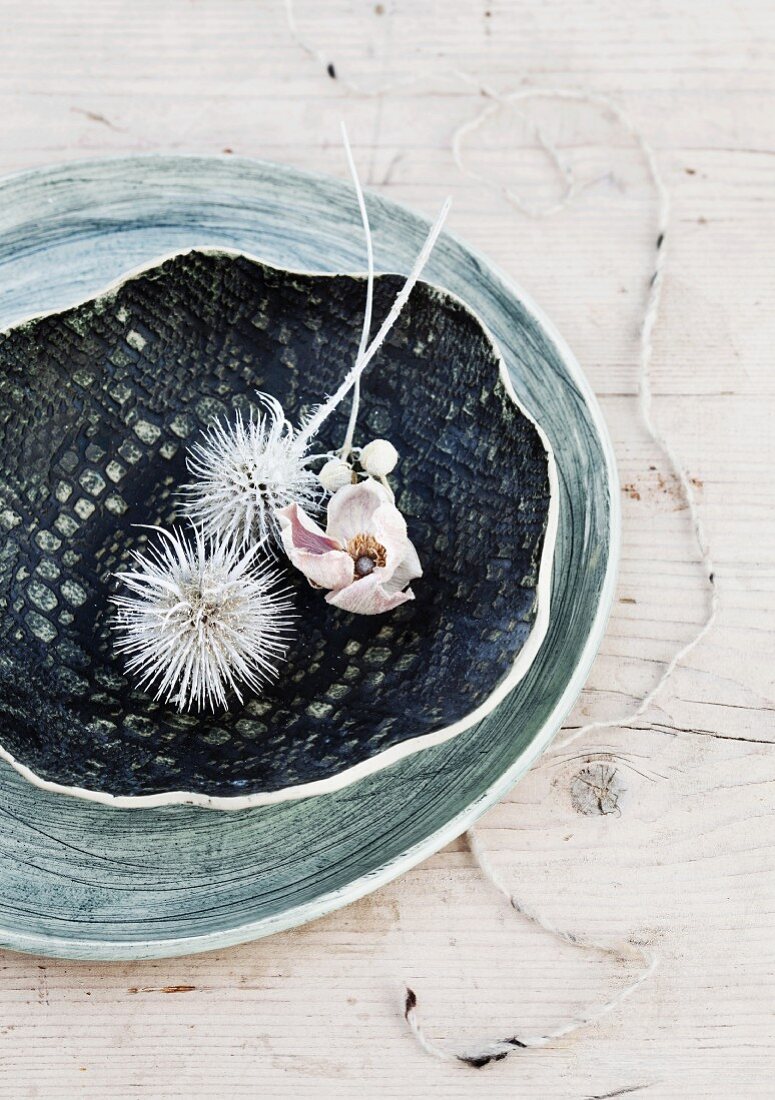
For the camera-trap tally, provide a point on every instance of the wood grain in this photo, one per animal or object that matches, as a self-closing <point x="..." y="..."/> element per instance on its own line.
<point x="688" y="864"/>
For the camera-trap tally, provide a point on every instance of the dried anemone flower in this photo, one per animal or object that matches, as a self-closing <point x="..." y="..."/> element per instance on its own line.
<point x="202" y="617"/>
<point x="245" y="472"/>
<point x="364" y="557"/>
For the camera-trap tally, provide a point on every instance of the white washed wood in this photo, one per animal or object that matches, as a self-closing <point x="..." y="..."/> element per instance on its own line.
<point x="689" y="863"/>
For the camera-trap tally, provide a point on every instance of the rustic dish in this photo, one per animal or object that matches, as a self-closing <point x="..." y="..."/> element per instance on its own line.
<point x="89" y="880"/>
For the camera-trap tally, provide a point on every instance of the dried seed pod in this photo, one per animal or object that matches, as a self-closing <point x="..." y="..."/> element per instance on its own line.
<point x="334" y="474"/>
<point x="379" y="458"/>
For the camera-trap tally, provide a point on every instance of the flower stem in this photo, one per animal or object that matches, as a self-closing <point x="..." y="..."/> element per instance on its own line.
<point x="322" y="413"/>
<point x="366" y="329"/>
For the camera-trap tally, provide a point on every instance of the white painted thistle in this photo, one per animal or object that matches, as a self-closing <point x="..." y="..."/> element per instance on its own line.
<point x="202" y="617"/>
<point x="245" y="471"/>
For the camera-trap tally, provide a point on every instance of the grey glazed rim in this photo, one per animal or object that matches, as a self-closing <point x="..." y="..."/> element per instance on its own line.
<point x="105" y="940"/>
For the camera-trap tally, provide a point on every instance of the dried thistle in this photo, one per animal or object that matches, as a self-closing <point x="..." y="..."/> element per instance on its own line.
<point x="202" y="618"/>
<point x="244" y="472"/>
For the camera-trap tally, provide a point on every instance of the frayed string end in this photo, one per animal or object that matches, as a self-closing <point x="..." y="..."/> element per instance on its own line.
<point x="496" y="1051"/>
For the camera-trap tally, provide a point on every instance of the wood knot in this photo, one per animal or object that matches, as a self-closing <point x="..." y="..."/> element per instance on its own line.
<point x="597" y="789"/>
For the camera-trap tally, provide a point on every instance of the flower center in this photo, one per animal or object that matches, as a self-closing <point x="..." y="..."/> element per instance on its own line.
<point x="367" y="554"/>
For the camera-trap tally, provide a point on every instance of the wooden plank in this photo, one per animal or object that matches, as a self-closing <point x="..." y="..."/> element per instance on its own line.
<point x="687" y="864"/>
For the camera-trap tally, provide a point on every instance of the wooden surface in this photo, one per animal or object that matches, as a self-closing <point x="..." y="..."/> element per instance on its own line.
<point x="685" y="858"/>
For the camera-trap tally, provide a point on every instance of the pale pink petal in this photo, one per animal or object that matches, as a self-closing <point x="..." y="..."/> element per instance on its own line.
<point x="407" y="570"/>
<point x="368" y="597"/>
<point x="388" y="527"/>
<point x="331" y="570"/>
<point x="321" y="559"/>
<point x="301" y="532"/>
<point x="350" y="509"/>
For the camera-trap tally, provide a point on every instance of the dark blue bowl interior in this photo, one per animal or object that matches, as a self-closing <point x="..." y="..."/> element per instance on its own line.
<point x="97" y="406"/>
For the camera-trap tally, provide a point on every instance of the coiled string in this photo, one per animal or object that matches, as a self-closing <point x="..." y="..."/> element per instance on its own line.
<point x="571" y="188"/>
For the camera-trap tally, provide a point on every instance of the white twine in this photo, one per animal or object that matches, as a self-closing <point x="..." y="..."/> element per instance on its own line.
<point x="651" y="314"/>
<point x="496" y="1051"/>
<point x="366" y="328"/>
<point x="570" y="190"/>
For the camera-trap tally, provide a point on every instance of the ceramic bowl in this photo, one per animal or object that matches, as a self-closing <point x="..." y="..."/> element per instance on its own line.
<point x="98" y="404"/>
<point x="84" y="880"/>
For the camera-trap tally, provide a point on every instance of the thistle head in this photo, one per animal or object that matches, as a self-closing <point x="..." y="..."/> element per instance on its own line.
<point x="245" y="471"/>
<point x="201" y="617"/>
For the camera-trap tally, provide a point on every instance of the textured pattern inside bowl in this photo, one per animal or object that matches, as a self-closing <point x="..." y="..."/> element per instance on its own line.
<point x="97" y="405"/>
